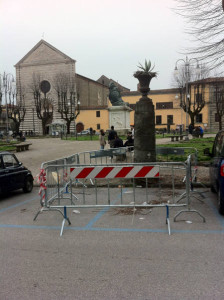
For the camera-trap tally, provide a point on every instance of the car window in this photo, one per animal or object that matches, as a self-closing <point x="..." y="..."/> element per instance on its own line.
<point x="1" y="164"/>
<point x="9" y="160"/>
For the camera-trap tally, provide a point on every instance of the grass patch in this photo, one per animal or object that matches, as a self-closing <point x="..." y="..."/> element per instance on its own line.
<point x="89" y="138"/>
<point x="4" y="146"/>
<point x="199" y="144"/>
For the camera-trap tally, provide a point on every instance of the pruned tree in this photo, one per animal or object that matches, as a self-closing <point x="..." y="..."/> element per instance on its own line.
<point x="64" y="85"/>
<point x="219" y="102"/>
<point x="196" y="101"/>
<point x="191" y="90"/>
<point x="205" y="24"/>
<point x="16" y="107"/>
<point x="43" y="104"/>
<point x="14" y="101"/>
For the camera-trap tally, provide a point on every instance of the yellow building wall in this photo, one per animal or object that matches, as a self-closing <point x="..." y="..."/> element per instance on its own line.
<point x="89" y="119"/>
<point x="179" y="116"/>
<point x="176" y="111"/>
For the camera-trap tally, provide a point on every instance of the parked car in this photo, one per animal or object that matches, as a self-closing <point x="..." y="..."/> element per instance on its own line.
<point x="13" y="175"/>
<point x="84" y="132"/>
<point x="216" y="169"/>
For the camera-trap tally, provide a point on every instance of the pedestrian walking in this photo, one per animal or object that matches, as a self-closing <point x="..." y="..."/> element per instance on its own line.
<point x="111" y="137"/>
<point x="102" y="139"/>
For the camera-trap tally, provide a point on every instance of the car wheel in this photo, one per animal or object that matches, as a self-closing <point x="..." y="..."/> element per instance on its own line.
<point x="28" y="185"/>
<point x="220" y="203"/>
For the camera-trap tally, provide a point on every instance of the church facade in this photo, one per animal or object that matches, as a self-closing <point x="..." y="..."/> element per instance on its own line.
<point x="45" y="62"/>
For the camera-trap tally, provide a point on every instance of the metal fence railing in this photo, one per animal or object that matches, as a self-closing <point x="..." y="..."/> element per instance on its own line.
<point x="75" y="182"/>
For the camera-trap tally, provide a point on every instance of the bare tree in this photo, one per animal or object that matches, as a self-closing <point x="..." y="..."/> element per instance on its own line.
<point x="43" y="104"/>
<point x="205" y="23"/>
<point x="219" y="102"/>
<point x="16" y="107"/>
<point x="194" y="101"/>
<point x="64" y="85"/>
<point x="14" y="100"/>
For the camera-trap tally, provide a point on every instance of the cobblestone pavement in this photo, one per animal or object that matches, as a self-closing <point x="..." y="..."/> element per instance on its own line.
<point x="47" y="149"/>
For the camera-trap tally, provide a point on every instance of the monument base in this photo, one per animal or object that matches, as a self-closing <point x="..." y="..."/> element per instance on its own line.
<point x="119" y="117"/>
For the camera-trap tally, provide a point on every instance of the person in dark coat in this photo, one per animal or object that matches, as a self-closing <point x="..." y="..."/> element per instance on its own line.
<point x="111" y="137"/>
<point x="130" y="140"/>
<point x="118" y="142"/>
<point x="191" y="127"/>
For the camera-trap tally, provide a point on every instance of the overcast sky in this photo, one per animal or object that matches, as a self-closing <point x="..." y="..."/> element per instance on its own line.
<point x="105" y="37"/>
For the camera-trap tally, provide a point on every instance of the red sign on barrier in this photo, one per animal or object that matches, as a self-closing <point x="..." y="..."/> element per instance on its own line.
<point x="115" y="172"/>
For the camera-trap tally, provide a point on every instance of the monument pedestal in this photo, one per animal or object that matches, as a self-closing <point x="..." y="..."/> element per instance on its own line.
<point x="119" y="117"/>
<point x="145" y="144"/>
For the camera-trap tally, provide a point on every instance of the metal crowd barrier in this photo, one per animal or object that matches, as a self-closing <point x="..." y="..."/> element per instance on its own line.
<point x="64" y="184"/>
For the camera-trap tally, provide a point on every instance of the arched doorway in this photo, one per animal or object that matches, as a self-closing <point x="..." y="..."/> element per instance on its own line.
<point x="79" y="127"/>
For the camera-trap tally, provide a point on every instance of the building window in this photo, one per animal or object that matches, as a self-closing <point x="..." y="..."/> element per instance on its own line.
<point x="45" y="86"/>
<point x="98" y="114"/>
<point x="199" y="118"/>
<point x="98" y="126"/>
<point x="164" y="105"/>
<point x="158" y="120"/>
<point x="170" y="119"/>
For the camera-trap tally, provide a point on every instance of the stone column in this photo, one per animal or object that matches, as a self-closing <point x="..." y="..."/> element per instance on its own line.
<point x="144" y="140"/>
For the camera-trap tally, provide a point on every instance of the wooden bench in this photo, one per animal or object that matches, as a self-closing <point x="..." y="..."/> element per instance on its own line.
<point x="22" y="147"/>
<point x="119" y="153"/>
<point x="177" y="137"/>
<point x="101" y="153"/>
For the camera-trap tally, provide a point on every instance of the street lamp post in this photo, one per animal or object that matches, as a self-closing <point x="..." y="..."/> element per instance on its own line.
<point x="186" y="73"/>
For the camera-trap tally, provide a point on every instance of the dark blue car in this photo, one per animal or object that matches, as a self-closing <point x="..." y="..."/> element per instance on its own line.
<point x="217" y="169"/>
<point x="13" y="175"/>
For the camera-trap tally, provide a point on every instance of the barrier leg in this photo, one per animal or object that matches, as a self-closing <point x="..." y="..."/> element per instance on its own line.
<point x="63" y="222"/>
<point x="189" y="211"/>
<point x="37" y="214"/>
<point x="167" y="219"/>
<point x="69" y="184"/>
<point x="42" y="209"/>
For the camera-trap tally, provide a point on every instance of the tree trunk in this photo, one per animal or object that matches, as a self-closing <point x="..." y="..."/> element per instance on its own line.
<point x="17" y="125"/>
<point x="220" y="122"/>
<point x="192" y="118"/>
<point x="68" y="126"/>
<point x="44" y="126"/>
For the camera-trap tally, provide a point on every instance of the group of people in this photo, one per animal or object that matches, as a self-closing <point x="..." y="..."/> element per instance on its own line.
<point x="196" y="131"/>
<point x="113" y="139"/>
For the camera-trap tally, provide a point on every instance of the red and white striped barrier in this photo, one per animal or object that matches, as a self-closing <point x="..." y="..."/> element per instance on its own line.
<point x="114" y="172"/>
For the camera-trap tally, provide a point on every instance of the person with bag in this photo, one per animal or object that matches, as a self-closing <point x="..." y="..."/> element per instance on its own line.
<point x="102" y="139"/>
